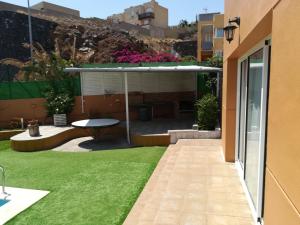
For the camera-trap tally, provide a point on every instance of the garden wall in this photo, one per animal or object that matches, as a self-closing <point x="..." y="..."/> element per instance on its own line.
<point x="94" y="107"/>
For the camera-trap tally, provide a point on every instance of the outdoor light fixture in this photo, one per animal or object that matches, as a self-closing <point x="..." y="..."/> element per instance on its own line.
<point x="230" y="28"/>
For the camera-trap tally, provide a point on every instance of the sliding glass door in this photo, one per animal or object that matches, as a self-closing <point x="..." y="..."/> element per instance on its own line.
<point x="251" y="126"/>
<point x="242" y="109"/>
<point x="253" y="123"/>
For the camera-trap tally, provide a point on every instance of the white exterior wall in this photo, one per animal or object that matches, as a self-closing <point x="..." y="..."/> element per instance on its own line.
<point x="113" y="83"/>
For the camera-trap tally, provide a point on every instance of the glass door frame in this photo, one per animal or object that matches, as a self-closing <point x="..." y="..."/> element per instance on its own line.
<point x="265" y="44"/>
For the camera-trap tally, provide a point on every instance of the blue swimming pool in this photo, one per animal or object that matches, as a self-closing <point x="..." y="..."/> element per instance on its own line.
<point x="3" y="202"/>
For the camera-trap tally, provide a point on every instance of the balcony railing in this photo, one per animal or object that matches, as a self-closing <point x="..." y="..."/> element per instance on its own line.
<point x="146" y="15"/>
<point x="207" y="16"/>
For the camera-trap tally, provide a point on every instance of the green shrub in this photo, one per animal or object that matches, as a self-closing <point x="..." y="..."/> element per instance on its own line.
<point x="188" y="58"/>
<point x="207" y="112"/>
<point x="216" y="61"/>
<point x="59" y="103"/>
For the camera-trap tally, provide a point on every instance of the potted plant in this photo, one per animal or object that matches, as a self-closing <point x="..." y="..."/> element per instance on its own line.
<point x="33" y="128"/>
<point x="59" y="105"/>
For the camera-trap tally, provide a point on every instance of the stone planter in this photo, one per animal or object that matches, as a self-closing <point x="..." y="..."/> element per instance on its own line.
<point x="34" y="130"/>
<point x="176" y="135"/>
<point x="60" y="120"/>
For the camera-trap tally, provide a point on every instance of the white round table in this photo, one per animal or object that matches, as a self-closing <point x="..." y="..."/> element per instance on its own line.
<point x="96" y="125"/>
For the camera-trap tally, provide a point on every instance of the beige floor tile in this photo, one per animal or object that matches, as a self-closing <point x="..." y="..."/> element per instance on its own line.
<point x="173" y="195"/>
<point x="171" y="204"/>
<point x="244" y="221"/>
<point x="192" y="219"/>
<point x="167" y="217"/>
<point x="196" y="187"/>
<point x="227" y="208"/>
<point x="232" y="197"/>
<point x="148" y="214"/>
<point x="220" y="208"/>
<point x="242" y="210"/>
<point x="199" y="148"/>
<point x="195" y="206"/>
<point x="144" y="223"/>
<point x="195" y="196"/>
<point x="227" y="220"/>
<point x="220" y="220"/>
<point x="133" y="219"/>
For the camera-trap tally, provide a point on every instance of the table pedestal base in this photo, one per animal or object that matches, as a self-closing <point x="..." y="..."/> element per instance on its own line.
<point x="96" y="133"/>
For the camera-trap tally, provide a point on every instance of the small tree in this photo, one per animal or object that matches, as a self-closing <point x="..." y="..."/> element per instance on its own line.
<point x="183" y="23"/>
<point x="207" y="112"/>
<point x="216" y="61"/>
<point x="47" y="67"/>
<point x="59" y="95"/>
<point x="211" y="79"/>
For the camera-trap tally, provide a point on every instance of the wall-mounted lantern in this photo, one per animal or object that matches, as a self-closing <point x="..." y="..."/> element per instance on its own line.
<point x="230" y="28"/>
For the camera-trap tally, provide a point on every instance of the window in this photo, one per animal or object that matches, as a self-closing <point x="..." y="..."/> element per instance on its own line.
<point x="149" y="10"/>
<point x="219" y="33"/>
<point x="219" y="53"/>
<point x="207" y="37"/>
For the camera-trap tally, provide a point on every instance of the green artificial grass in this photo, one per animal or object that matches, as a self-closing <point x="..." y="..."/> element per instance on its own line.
<point x="85" y="188"/>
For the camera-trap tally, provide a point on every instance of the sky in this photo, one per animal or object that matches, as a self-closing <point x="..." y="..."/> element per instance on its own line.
<point x="178" y="9"/>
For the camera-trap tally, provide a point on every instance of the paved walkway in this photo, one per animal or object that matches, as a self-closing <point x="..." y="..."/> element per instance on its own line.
<point x="192" y="185"/>
<point x="87" y="144"/>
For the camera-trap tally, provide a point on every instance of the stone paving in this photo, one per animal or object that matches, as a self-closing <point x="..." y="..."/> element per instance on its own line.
<point x="45" y="131"/>
<point x="192" y="185"/>
<point x="88" y="144"/>
<point x="19" y="199"/>
<point x="160" y="126"/>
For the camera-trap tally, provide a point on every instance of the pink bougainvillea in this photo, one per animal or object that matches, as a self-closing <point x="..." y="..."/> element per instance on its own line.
<point x="127" y="56"/>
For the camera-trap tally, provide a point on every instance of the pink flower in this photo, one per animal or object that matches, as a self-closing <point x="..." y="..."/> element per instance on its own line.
<point x="127" y="56"/>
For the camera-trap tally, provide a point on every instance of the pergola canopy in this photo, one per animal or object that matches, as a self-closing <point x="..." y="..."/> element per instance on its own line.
<point x="191" y="68"/>
<point x="126" y="70"/>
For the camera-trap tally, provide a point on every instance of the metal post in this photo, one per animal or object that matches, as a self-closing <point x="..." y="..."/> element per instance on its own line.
<point x="218" y="85"/>
<point x="196" y="85"/>
<point x="30" y="30"/>
<point x="3" y="180"/>
<point x="127" y="107"/>
<point x="219" y="96"/>
<point x="81" y="88"/>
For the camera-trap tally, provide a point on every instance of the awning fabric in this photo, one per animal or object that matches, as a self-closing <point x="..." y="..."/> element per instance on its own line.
<point x="193" y="68"/>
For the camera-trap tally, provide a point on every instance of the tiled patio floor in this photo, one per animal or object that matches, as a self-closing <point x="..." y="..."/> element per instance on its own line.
<point x="160" y="126"/>
<point x="192" y="185"/>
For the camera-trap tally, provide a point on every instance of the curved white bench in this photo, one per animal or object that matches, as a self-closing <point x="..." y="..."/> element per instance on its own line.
<point x="50" y="137"/>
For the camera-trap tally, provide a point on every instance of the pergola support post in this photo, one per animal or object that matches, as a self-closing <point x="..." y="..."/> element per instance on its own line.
<point x="196" y="86"/>
<point x="127" y="108"/>
<point x="219" y="95"/>
<point x="81" y="89"/>
<point x="218" y="85"/>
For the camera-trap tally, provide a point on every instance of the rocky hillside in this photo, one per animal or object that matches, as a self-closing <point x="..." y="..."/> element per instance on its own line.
<point x="86" y="40"/>
<point x="82" y="40"/>
<point x="14" y="33"/>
